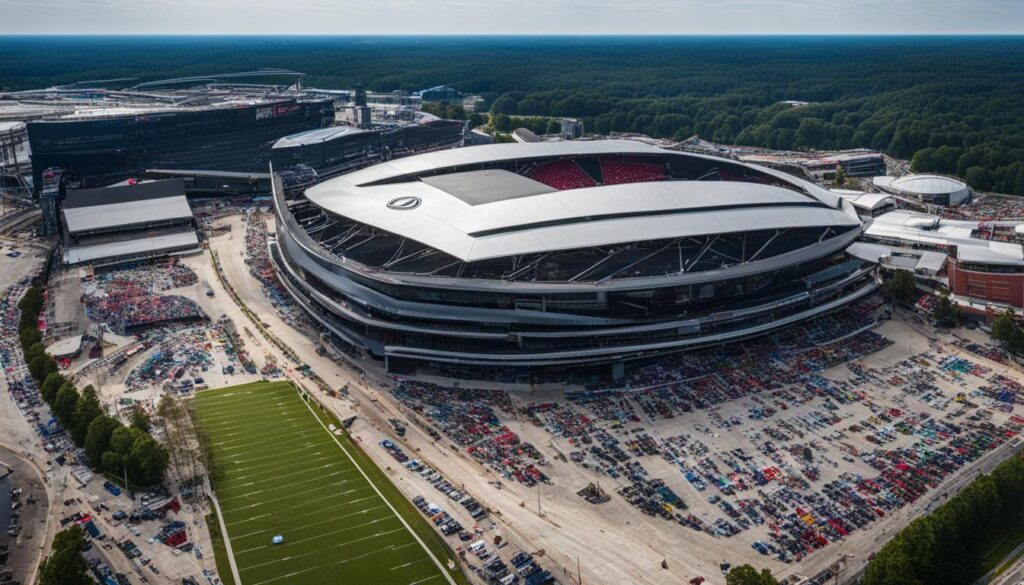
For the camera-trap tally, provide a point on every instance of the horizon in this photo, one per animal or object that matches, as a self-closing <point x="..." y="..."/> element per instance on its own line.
<point x="514" y="18"/>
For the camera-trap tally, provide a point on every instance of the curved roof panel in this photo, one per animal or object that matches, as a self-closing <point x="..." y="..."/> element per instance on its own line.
<point x="927" y="184"/>
<point x="508" y="218"/>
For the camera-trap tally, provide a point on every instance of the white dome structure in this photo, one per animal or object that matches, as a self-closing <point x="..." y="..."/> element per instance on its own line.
<point x="931" y="189"/>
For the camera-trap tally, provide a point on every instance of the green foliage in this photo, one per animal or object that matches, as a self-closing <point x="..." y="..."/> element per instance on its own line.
<point x="1006" y="331"/>
<point x="901" y="287"/>
<point x="502" y="123"/>
<point x="51" y="384"/>
<point x="450" y="112"/>
<point x="840" y="178"/>
<point x="65" y="405"/>
<point x="132" y="449"/>
<point x="30" y="336"/>
<point x="97" y="438"/>
<point x="86" y="410"/>
<point x="109" y="445"/>
<point x="900" y="95"/>
<point x="947" y="546"/>
<point x="66" y="565"/>
<point x="945" y="312"/>
<point x="748" y="575"/>
<point x="140" y="420"/>
<point x="33" y="351"/>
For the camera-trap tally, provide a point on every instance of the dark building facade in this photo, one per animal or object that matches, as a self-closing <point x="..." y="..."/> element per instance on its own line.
<point x="97" y="151"/>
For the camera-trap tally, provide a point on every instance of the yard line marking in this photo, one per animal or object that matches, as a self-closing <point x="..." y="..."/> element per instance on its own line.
<point x="264" y="475"/>
<point x="316" y="537"/>
<point x="430" y="553"/>
<point x="291" y="495"/>
<point x="317" y="552"/>
<point x="273" y="456"/>
<point x="327" y="497"/>
<point x="313" y="454"/>
<point x="316" y="512"/>
<point x="288" y="486"/>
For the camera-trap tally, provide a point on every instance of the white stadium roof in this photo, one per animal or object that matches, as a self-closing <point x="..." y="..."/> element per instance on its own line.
<point x="83" y="219"/>
<point x="504" y="214"/>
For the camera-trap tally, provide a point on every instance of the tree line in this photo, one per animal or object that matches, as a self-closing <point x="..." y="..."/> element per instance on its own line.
<point x="947" y="547"/>
<point x="951" y="103"/>
<point x="109" y="445"/>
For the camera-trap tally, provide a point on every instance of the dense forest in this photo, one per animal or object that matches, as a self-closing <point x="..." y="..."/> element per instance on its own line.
<point x="951" y="104"/>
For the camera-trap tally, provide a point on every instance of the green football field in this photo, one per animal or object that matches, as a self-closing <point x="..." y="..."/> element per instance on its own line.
<point x="278" y="470"/>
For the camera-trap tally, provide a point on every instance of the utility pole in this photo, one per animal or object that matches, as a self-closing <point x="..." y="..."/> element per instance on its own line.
<point x="579" y="573"/>
<point x="539" y="513"/>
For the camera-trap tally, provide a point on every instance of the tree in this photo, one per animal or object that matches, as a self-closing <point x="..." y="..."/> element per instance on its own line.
<point x="33" y="351"/>
<point x="97" y="439"/>
<point x="66" y="565"/>
<point x="139" y="454"/>
<point x="147" y="461"/>
<point x="1006" y="331"/>
<point x="901" y="287"/>
<point x="41" y="366"/>
<point x="29" y="336"/>
<point x="140" y="420"/>
<point x="64" y="405"/>
<point x="946" y="313"/>
<point x="502" y="123"/>
<point x="86" y="410"/>
<point x="51" y="384"/>
<point x="747" y="575"/>
<point x="840" y="178"/>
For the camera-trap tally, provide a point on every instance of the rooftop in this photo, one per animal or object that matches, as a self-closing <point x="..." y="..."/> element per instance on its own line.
<point x="480" y="214"/>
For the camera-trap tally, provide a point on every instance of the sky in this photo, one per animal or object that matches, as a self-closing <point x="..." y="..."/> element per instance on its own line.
<point x="512" y="17"/>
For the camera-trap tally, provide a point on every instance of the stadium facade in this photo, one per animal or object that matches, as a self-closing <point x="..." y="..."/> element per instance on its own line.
<point x="562" y="254"/>
<point x="96" y="148"/>
<point x="334" y="150"/>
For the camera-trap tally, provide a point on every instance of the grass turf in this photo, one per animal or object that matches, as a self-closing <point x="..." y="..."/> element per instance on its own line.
<point x="278" y="471"/>
<point x="220" y="554"/>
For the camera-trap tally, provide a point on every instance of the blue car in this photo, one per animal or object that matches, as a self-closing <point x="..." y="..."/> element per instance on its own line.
<point x="112" y="488"/>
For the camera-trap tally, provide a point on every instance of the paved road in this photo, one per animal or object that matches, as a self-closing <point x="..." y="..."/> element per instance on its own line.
<point x="33" y="507"/>
<point x="1012" y="576"/>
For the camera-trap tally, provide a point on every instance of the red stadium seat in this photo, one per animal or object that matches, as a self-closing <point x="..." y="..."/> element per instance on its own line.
<point x="562" y="175"/>
<point x="617" y="172"/>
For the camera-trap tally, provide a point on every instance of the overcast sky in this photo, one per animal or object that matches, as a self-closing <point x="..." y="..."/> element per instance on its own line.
<point x="511" y="16"/>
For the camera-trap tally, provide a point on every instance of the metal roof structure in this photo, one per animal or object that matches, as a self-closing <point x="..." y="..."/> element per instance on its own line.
<point x="164" y="242"/>
<point x="126" y="192"/>
<point x="488" y="186"/>
<point x="863" y="200"/>
<point x="128" y="213"/>
<point x="319" y="135"/>
<point x="494" y="214"/>
<point x="68" y="346"/>
<point x="930" y="230"/>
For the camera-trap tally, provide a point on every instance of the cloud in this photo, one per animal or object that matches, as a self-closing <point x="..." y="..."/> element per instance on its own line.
<point x="511" y="16"/>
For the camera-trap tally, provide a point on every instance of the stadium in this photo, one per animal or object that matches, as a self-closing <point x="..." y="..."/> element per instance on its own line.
<point x="558" y="254"/>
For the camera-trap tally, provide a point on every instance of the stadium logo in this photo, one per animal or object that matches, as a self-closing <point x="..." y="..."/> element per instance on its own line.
<point x="404" y="203"/>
